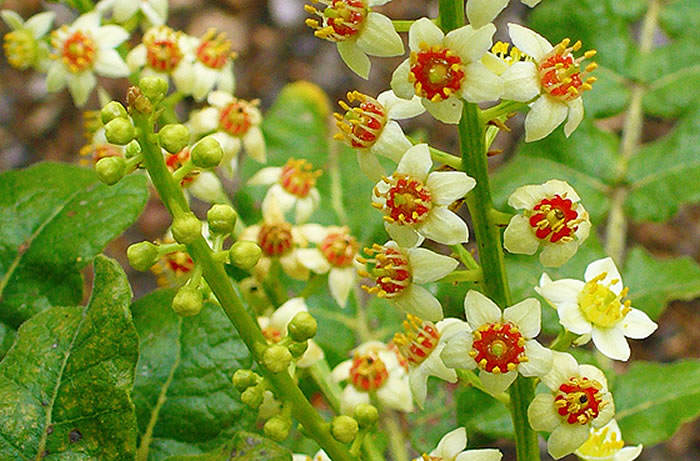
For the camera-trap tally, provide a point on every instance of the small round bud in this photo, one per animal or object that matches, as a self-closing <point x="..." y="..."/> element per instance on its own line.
<point x="112" y="110"/>
<point x="243" y="379"/>
<point x="277" y="428"/>
<point x="366" y="414"/>
<point x="154" y="88"/>
<point x="120" y="131"/>
<point x="302" y="327"/>
<point x="276" y="358"/>
<point x="344" y="428"/>
<point x="221" y="218"/>
<point x="142" y="255"/>
<point x="132" y="149"/>
<point x="188" y="301"/>
<point x="245" y="254"/>
<point x="186" y="228"/>
<point x="253" y="396"/>
<point x="207" y="153"/>
<point x="110" y="170"/>
<point x="298" y="349"/>
<point x="174" y="137"/>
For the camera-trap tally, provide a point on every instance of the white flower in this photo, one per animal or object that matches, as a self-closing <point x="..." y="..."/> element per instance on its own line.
<point x="422" y="344"/>
<point x="234" y="122"/>
<point x="481" y="12"/>
<point x="274" y="328"/>
<point x="293" y="186"/>
<point x="371" y="128"/>
<point x="452" y="448"/>
<point x="399" y="272"/>
<point x="595" y="307"/>
<point x="211" y="61"/>
<point x="552" y="217"/>
<point x="155" y="11"/>
<point x="579" y="400"/>
<point x="415" y="202"/>
<point x="444" y="68"/>
<point x="552" y="72"/>
<point x="81" y="50"/>
<point x="23" y="45"/>
<point x="376" y="369"/>
<point x="334" y="254"/>
<point x="501" y="343"/>
<point x="357" y="31"/>
<point x="606" y="444"/>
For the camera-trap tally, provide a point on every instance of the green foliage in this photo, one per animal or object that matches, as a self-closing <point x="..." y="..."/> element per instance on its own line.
<point x="652" y="400"/>
<point x="482" y="414"/>
<point x="185" y="401"/>
<point x="680" y="17"/>
<point x="436" y="419"/>
<point x="56" y="218"/>
<point x="66" y="382"/>
<point x="244" y="446"/>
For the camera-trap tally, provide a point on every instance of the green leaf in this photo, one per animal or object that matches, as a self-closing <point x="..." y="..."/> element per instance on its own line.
<point x="664" y="174"/>
<point x="680" y="18"/>
<point x="652" y="400"/>
<point x="653" y="283"/>
<point x="481" y="414"/>
<point x="185" y="402"/>
<point x="7" y="338"/>
<point x="56" y="218"/>
<point x="245" y="446"/>
<point x="610" y="94"/>
<point x="66" y="382"/>
<point x="436" y="419"/>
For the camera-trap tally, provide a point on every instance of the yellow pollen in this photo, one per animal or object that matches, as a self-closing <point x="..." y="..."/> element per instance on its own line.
<point x="601" y="443"/>
<point x="600" y="305"/>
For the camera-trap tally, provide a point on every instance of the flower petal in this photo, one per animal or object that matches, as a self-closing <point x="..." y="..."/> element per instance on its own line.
<point x="88" y="21"/>
<point x="611" y="342"/>
<point x="314" y="260"/>
<point x="111" y="36"/>
<point x="556" y="254"/>
<point x="399" y="81"/>
<point x="110" y="64"/>
<point x="396" y="394"/>
<point x="541" y="413"/>
<point x="312" y="355"/>
<point x="564" y="366"/>
<point x="526" y="315"/>
<point x="608" y="266"/>
<point x="268" y="175"/>
<point x="483" y="454"/>
<point x="406" y="236"/>
<point x="392" y="142"/>
<point x="480" y="310"/>
<point x="452" y="443"/>
<point x="444" y="226"/>
<point x="286" y="312"/>
<point x="521" y="81"/>
<point x="416" y="162"/>
<point x="638" y="325"/>
<point x="518" y="237"/>
<point x="607" y="413"/>
<point x="595" y="373"/>
<point x="379" y="38"/>
<point x="428" y="266"/>
<point x="40" y="24"/>
<point x="575" y="116"/>
<point x="56" y="77"/>
<point x="497" y="383"/>
<point x="539" y="360"/>
<point x="447" y="186"/>
<point x="481" y="12"/>
<point x="136" y="58"/>
<point x="124" y="9"/>
<point x="545" y="115"/>
<point x="340" y="282"/>
<point x="254" y="144"/>
<point x="399" y="108"/>
<point x="80" y="86"/>
<point x="356" y="59"/>
<point x="471" y="42"/>
<point x="528" y="41"/>
<point x="420" y="302"/>
<point x="292" y="267"/>
<point x="571" y="318"/>
<point x="204" y="82"/>
<point x="446" y="111"/>
<point x="526" y="197"/>
<point x="564" y="291"/>
<point x="424" y="31"/>
<point x="566" y="438"/>
<point x="370" y="166"/>
<point x="456" y="351"/>
<point x="350" y="398"/>
<point x="13" y="20"/>
<point x="418" y="381"/>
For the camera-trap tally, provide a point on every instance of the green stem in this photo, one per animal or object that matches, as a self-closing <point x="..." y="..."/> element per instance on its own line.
<point x="470" y="378"/>
<point x="562" y="341"/>
<point x="473" y="275"/>
<point x="443" y="157"/>
<point x="466" y="257"/>
<point x="451" y="14"/>
<point x="84" y="6"/>
<point x="312" y="285"/>
<point x="504" y="108"/>
<point x="397" y="439"/>
<point x="402" y="25"/>
<point x="272" y="285"/>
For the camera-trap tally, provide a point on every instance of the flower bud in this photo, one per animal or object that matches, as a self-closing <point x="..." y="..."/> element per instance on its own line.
<point x="302" y="327"/>
<point x="207" y="153"/>
<point x="243" y="379"/>
<point x="110" y="170"/>
<point x="344" y="428"/>
<point x="245" y="254"/>
<point x="298" y="349"/>
<point x="111" y="111"/>
<point x="154" y="88"/>
<point x="174" y="137"/>
<point x="276" y="358"/>
<point x="132" y="149"/>
<point x="221" y="219"/>
<point x="120" y="131"/>
<point x="188" y="301"/>
<point x="186" y="228"/>
<point x="277" y="428"/>
<point x="253" y="396"/>
<point x="142" y="256"/>
<point x="366" y="414"/>
<point x="137" y="102"/>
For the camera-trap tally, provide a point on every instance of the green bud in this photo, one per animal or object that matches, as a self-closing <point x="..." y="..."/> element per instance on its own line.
<point x="245" y="254"/>
<point x="302" y="327"/>
<point x="186" y="228"/>
<point x="344" y="428"/>
<point x="207" y="153"/>
<point x="221" y="219"/>
<point x="137" y="102"/>
<point x="110" y="170"/>
<point x="174" y="137"/>
<point x="132" y="149"/>
<point x="366" y="414"/>
<point x="188" y="301"/>
<point x="276" y="358"/>
<point x="298" y="349"/>
<point x="277" y="428"/>
<point x="120" y="131"/>
<point x="243" y="379"/>
<point x="142" y="255"/>
<point x="253" y="396"/>
<point x="154" y="88"/>
<point x="111" y="111"/>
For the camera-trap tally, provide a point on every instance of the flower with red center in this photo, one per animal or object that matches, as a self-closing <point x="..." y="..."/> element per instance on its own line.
<point x="213" y="65"/>
<point x="173" y="267"/>
<point x="579" y="400"/>
<point x="23" y="45"/>
<point x="81" y="50"/>
<point x="444" y="69"/>
<point x="482" y="12"/>
<point x="155" y="11"/>
<point x="175" y="161"/>
<point x="552" y="218"/>
<point x="293" y="186"/>
<point x="98" y="147"/>
<point x="606" y="444"/>
<point x="370" y="127"/>
<point x="452" y="448"/>
<point x="553" y="73"/>
<point x="357" y="31"/>
<point x="416" y="202"/>
<point x="373" y="370"/>
<point x="398" y="274"/>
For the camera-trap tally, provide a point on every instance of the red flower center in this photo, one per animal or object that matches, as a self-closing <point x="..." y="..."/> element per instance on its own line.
<point x="78" y="52"/>
<point x="368" y="372"/>
<point x="436" y="72"/>
<point x="498" y="347"/>
<point x="554" y="219"/>
<point x="214" y="50"/>
<point x="342" y="19"/>
<point x="298" y="178"/>
<point x="560" y="72"/>
<point x="361" y="125"/>
<point x="275" y="239"/>
<point x="339" y="249"/>
<point x="162" y="50"/>
<point x="392" y="272"/>
<point x="418" y="341"/>
<point x="273" y="335"/>
<point x="175" y="161"/>
<point x="579" y="400"/>
<point x="234" y="119"/>
<point x="407" y="200"/>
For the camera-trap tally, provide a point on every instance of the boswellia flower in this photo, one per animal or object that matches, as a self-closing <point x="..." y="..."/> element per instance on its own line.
<point x="579" y="400"/>
<point x="595" y="307"/>
<point x="452" y="448"/>
<point x="356" y="30"/>
<point x="155" y="11"/>
<point x="500" y="344"/>
<point x="398" y="273"/>
<point x="606" y="444"/>
<point x="371" y="129"/>
<point x="481" y="12"/>
<point x="81" y="50"/>
<point x="212" y="66"/>
<point x="23" y="45"/>
<point x="375" y="369"/>
<point x="415" y="201"/>
<point x="444" y="68"/>
<point x="552" y="217"/>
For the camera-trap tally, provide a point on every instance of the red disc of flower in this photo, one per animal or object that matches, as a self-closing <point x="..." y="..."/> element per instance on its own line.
<point x="436" y="72"/>
<point x="79" y="52"/>
<point x="339" y="249"/>
<point x="275" y="239"/>
<point x="418" y="341"/>
<point x="214" y="49"/>
<point x="360" y="125"/>
<point x="392" y="272"/>
<point x="407" y="201"/>
<point x="368" y="372"/>
<point x="498" y="347"/>
<point x="560" y="72"/>
<point x="343" y="19"/>
<point x="175" y="161"/>
<point x="234" y="118"/>
<point x="554" y="219"/>
<point x="297" y="177"/>
<point x="162" y="49"/>
<point x="579" y="400"/>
